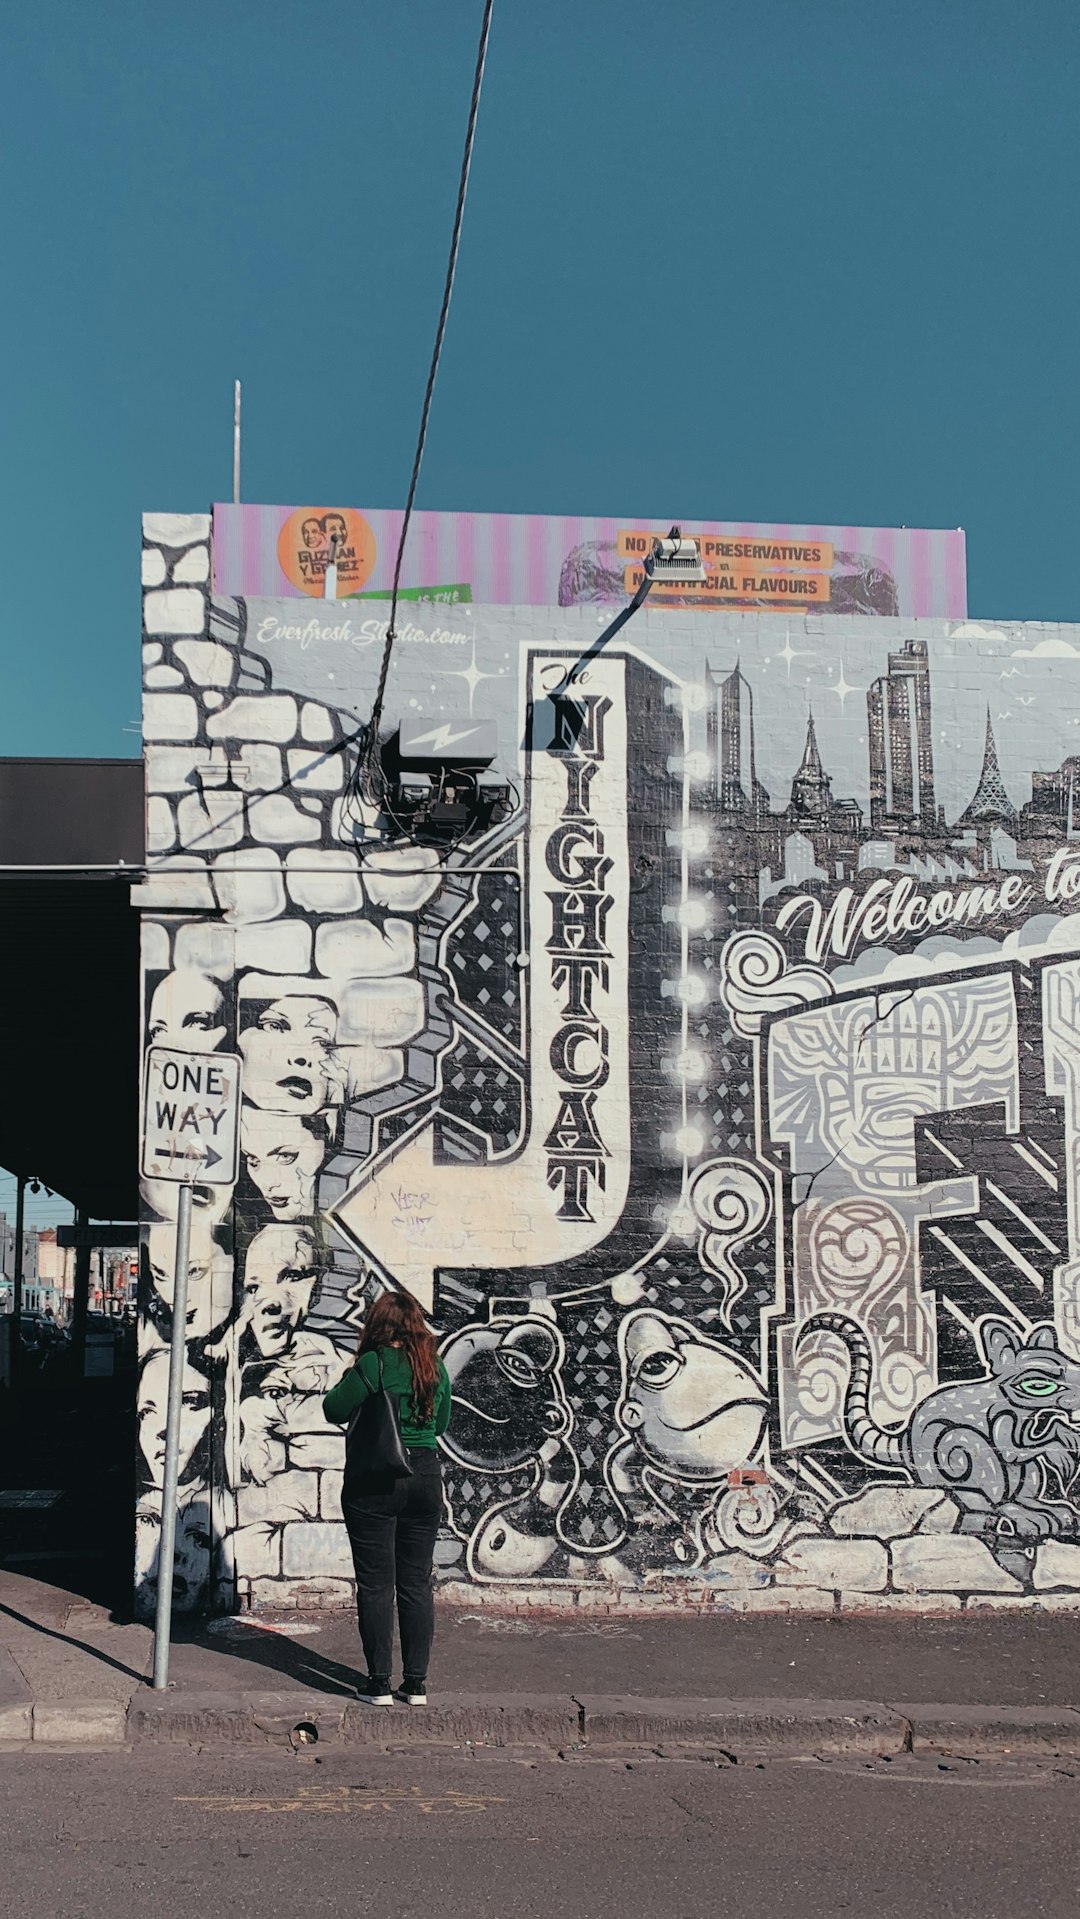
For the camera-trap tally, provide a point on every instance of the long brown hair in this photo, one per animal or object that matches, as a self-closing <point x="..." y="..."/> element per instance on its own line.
<point x="395" y="1319"/>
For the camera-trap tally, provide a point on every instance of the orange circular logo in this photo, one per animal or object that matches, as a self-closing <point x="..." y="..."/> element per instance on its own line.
<point x="304" y="546"/>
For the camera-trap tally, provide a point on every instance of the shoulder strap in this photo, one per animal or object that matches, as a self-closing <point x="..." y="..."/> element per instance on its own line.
<point x="369" y="1389"/>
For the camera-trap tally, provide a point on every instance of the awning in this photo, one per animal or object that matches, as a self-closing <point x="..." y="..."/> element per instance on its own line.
<point x="69" y="978"/>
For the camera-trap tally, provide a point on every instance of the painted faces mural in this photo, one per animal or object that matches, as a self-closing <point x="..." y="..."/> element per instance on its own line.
<point x="153" y="1403"/>
<point x="187" y="1012"/>
<point x="209" y="1287"/>
<point x="282" y="1155"/>
<point x="720" y="1105"/>
<point x="289" y="1057"/>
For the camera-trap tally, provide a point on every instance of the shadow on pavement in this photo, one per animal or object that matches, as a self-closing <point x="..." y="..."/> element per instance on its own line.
<point x="65" y="1639"/>
<point x="274" y="1651"/>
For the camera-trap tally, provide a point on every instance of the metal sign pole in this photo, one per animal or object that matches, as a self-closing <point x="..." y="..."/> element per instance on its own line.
<point x="177" y="1361"/>
<point x="17" y="1285"/>
<point x="202" y="1143"/>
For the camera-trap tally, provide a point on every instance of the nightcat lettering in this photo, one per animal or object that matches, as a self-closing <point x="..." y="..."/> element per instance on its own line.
<point x="580" y="959"/>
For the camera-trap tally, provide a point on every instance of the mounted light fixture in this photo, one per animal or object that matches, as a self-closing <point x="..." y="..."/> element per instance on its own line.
<point x="676" y="560"/>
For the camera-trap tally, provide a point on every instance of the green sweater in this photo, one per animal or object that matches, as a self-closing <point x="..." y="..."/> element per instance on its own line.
<point x="362" y="1378"/>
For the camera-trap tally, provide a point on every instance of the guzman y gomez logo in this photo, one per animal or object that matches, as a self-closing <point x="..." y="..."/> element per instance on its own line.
<point x="312" y="535"/>
<point x="347" y="630"/>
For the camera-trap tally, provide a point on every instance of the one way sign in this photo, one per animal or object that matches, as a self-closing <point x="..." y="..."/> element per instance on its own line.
<point x="191" y="1109"/>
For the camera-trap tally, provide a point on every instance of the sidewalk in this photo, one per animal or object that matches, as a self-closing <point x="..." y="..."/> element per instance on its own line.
<point x="981" y="1681"/>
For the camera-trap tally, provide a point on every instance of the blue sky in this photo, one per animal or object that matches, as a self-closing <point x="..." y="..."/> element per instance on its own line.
<point x="781" y="262"/>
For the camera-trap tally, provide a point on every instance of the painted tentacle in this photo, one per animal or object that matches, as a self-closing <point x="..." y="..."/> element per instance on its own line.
<point x="874" y="1442"/>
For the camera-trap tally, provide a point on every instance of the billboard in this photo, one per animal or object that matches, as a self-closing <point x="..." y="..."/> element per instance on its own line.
<point x="503" y="559"/>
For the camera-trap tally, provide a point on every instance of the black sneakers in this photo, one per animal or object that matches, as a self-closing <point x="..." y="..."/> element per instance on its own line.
<point x="375" y="1690"/>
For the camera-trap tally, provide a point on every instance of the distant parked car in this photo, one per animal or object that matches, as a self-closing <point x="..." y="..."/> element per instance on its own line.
<point x="40" y="1329"/>
<point x="42" y="1341"/>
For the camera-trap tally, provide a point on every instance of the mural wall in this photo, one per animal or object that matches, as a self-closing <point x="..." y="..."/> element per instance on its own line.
<point x="721" y="1105"/>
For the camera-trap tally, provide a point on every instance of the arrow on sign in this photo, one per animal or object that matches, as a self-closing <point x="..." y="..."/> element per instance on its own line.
<point x="200" y="1150"/>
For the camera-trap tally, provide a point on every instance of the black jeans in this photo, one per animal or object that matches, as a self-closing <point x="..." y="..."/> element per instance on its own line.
<point x="392" y="1526"/>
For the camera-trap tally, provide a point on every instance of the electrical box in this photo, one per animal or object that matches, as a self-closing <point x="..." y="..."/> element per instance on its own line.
<point x="426" y="743"/>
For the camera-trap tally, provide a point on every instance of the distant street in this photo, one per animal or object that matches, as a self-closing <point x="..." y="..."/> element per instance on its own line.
<point x="174" y="1834"/>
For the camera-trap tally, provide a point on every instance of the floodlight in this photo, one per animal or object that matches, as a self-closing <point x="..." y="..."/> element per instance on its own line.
<point x="676" y="560"/>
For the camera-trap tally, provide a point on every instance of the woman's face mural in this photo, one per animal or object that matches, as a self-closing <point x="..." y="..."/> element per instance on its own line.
<point x="194" y="1548"/>
<point x="187" y="1012"/>
<point x="690" y="1405"/>
<point x="508" y="1393"/>
<point x="208" y="1203"/>
<point x="153" y="1413"/>
<point x="279" y="1279"/>
<point x="282" y="1156"/>
<point x="209" y="1293"/>
<point x="290" y="1064"/>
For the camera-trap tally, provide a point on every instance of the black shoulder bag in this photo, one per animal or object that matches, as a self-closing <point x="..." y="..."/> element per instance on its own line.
<point x="373" y="1437"/>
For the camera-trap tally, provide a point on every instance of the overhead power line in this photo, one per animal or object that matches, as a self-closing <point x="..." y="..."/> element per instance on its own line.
<point x="370" y="750"/>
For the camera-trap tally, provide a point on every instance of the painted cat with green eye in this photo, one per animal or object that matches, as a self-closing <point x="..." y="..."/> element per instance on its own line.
<point x="1005" y="1447"/>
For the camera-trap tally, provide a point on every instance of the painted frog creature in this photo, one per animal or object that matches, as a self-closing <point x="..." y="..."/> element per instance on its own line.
<point x="691" y="1413"/>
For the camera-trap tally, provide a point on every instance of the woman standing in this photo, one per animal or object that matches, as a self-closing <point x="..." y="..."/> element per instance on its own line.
<point x="393" y="1523"/>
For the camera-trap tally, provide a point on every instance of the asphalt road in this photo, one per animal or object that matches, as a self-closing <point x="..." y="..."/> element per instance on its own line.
<point x="87" y="1836"/>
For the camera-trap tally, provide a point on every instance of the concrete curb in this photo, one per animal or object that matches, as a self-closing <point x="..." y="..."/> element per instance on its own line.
<point x="737" y="1729"/>
<point x="276" y="1718"/>
<point x="80" y="1722"/>
<point x="974" y="1730"/>
<point x="16" y="1700"/>
<point x="746" y="1725"/>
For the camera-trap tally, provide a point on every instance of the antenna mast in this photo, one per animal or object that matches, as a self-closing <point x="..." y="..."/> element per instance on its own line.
<point x="236" y="445"/>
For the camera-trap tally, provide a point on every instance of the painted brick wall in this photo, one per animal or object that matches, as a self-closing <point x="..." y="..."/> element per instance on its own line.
<point x="721" y="1106"/>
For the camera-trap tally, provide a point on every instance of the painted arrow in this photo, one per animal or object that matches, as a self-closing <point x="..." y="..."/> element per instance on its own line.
<point x="413" y="1217"/>
<point x="563" y="1190"/>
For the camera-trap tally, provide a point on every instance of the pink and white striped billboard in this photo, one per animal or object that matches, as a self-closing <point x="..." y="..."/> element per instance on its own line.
<point x="271" y="552"/>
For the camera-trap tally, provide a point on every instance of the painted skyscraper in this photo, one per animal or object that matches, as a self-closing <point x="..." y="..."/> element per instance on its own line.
<point x="731" y="740"/>
<point x="901" y="745"/>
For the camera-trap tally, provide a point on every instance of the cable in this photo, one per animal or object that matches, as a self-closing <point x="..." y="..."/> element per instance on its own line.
<point x="367" y="757"/>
